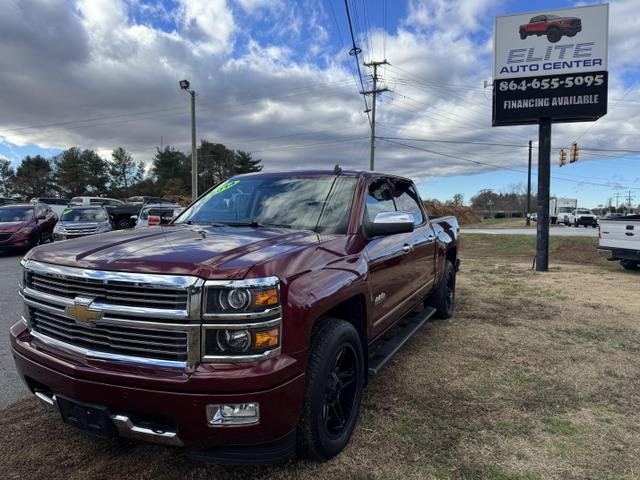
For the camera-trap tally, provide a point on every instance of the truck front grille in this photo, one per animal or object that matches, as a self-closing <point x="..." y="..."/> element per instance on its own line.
<point x="116" y="339"/>
<point x="109" y="292"/>
<point x="80" y="230"/>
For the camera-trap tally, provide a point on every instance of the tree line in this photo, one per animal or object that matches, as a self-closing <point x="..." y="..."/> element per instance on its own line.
<point x="77" y="171"/>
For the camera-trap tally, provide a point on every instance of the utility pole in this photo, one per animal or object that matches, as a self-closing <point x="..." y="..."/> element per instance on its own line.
<point x="529" y="188"/>
<point x="374" y="92"/>
<point x="544" y="187"/>
<point x="184" y="85"/>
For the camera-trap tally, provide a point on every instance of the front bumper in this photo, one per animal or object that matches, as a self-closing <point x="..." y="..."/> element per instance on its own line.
<point x="145" y="393"/>
<point x="587" y="221"/>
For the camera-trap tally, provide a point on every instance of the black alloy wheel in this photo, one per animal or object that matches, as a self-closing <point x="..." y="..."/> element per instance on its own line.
<point x="340" y="392"/>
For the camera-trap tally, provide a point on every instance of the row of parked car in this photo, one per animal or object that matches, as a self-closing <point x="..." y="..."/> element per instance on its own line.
<point x="24" y="225"/>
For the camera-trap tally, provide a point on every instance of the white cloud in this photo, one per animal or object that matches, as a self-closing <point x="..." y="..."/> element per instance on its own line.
<point x="209" y="23"/>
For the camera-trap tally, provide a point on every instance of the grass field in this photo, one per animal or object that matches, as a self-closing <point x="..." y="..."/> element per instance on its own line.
<point x="501" y="223"/>
<point x="535" y="377"/>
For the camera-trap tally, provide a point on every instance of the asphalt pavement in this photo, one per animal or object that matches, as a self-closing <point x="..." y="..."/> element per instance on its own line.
<point x="553" y="231"/>
<point x="11" y="387"/>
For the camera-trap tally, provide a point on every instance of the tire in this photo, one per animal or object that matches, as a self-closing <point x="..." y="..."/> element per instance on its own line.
<point x="523" y="35"/>
<point x="572" y="34"/>
<point x="630" y="265"/>
<point x="333" y="391"/>
<point x="444" y="297"/>
<point x="554" y="35"/>
<point x="124" y="224"/>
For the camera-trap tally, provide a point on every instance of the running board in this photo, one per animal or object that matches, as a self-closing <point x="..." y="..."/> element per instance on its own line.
<point x="391" y="346"/>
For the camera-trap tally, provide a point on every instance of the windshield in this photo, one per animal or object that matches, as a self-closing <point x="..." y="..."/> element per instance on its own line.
<point x="583" y="211"/>
<point x="319" y="203"/>
<point x="565" y="209"/>
<point x="16" y="214"/>
<point x="84" y="215"/>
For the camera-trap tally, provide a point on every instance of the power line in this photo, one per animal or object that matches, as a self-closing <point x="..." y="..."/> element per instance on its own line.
<point x="355" y="51"/>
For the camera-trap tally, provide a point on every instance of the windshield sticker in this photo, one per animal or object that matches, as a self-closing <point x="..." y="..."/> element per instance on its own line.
<point x="68" y="210"/>
<point x="222" y="188"/>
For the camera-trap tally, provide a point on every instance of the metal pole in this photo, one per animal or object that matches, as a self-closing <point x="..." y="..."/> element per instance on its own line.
<point x="373" y="118"/>
<point x="529" y="189"/>
<point x="544" y="187"/>
<point x="194" y="151"/>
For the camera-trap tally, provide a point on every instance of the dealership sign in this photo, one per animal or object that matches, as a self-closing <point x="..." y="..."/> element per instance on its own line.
<point x="551" y="64"/>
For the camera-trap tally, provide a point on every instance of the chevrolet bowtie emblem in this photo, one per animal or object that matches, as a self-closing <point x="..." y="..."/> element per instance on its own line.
<point x="81" y="311"/>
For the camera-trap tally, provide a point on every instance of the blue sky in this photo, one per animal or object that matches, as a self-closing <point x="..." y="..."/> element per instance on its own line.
<point x="274" y="77"/>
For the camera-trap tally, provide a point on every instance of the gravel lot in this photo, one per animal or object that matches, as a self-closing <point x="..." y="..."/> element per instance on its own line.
<point x="11" y="388"/>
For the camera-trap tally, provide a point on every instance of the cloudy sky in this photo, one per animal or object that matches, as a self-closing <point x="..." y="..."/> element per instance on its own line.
<point x="274" y="77"/>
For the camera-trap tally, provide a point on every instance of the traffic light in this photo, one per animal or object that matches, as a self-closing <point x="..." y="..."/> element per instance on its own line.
<point x="563" y="157"/>
<point x="575" y="151"/>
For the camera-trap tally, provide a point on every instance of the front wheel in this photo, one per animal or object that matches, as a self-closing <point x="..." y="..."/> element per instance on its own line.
<point x="333" y="392"/>
<point x="124" y="224"/>
<point x="523" y="35"/>
<point x="554" y="35"/>
<point x="443" y="299"/>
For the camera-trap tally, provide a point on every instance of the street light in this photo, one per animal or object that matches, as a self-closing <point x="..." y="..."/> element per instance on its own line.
<point x="184" y="85"/>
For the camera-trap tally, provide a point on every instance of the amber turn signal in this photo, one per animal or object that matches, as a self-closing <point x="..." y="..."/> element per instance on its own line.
<point x="266" y="298"/>
<point x="267" y="338"/>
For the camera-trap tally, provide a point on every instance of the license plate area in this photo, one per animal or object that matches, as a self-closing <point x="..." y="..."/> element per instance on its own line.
<point x="89" y="418"/>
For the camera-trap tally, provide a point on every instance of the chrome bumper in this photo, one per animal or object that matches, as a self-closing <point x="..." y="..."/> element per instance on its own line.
<point x="124" y="425"/>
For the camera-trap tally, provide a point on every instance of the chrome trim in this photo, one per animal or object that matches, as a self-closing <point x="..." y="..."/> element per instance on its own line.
<point x="150" y="280"/>
<point x="270" y="312"/>
<point x="247" y="283"/>
<point x="403" y="303"/>
<point x="239" y="326"/>
<point x="46" y="400"/>
<point x="126" y="428"/>
<point x="241" y="358"/>
<point x="92" y="354"/>
<point x="393" y="217"/>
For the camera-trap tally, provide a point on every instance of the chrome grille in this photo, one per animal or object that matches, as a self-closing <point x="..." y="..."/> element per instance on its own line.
<point x="116" y="339"/>
<point x="5" y="236"/>
<point x="109" y="292"/>
<point x="80" y="230"/>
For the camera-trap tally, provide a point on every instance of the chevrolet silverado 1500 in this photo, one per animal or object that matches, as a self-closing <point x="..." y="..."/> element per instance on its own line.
<point x="247" y="328"/>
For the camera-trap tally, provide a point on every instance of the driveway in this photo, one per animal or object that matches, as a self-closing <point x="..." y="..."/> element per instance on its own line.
<point x="11" y="387"/>
<point x="555" y="231"/>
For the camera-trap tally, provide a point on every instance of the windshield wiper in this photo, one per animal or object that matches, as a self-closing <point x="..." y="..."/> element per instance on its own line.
<point x="208" y="224"/>
<point x="255" y="224"/>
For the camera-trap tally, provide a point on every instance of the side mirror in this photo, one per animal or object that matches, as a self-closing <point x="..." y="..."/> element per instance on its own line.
<point x="154" y="220"/>
<point x="390" y="223"/>
<point x="41" y="216"/>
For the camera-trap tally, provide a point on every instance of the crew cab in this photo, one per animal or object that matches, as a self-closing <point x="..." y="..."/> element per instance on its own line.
<point x="582" y="217"/>
<point x="619" y="239"/>
<point x="553" y="26"/>
<point x="247" y="328"/>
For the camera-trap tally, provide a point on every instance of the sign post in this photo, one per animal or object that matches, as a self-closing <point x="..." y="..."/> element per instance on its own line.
<point x="550" y="67"/>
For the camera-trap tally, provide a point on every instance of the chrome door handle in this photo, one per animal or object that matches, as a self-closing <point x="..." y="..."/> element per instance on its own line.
<point x="406" y="248"/>
<point x="430" y="237"/>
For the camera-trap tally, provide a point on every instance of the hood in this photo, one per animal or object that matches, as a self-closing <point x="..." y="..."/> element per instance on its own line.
<point x="208" y="252"/>
<point x="6" y="227"/>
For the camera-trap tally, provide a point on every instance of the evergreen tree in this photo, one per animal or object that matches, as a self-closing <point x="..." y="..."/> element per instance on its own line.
<point x="244" y="163"/>
<point x="123" y="172"/>
<point x="7" y="178"/>
<point x="171" y="170"/>
<point x="33" y="177"/>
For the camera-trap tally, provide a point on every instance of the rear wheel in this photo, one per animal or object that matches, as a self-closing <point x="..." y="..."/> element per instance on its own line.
<point x="630" y="265"/>
<point x="333" y="392"/>
<point x="124" y="224"/>
<point x="444" y="297"/>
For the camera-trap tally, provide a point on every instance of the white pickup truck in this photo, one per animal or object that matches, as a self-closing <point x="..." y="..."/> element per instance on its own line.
<point x="582" y="216"/>
<point x="620" y="240"/>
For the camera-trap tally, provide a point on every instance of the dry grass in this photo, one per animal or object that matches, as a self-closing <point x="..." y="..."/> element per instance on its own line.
<point x="536" y="376"/>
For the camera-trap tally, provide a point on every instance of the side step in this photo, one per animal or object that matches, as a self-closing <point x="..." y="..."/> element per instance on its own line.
<point x="391" y="346"/>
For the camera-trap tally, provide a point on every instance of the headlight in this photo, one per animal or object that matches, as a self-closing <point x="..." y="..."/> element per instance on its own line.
<point x="58" y="228"/>
<point x="242" y="320"/>
<point x="103" y="228"/>
<point x="26" y="229"/>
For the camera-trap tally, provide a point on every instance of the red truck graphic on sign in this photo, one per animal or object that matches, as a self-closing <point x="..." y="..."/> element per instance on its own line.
<point x="553" y="26"/>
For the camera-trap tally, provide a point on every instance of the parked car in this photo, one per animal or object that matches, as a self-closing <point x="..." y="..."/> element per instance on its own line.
<point x="6" y="201"/>
<point x="25" y="225"/>
<point x="57" y="204"/>
<point x="142" y="199"/>
<point x="119" y="211"/>
<point x="584" y="217"/>
<point x="80" y="221"/>
<point x="157" y="214"/>
<point x="553" y="26"/>
<point x="246" y="328"/>
<point x="620" y="240"/>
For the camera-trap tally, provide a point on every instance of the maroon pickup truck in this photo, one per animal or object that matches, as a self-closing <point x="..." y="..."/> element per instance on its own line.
<point x="246" y="329"/>
<point x="553" y="26"/>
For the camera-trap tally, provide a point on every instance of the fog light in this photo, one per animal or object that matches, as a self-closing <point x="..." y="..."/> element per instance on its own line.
<point x="233" y="414"/>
